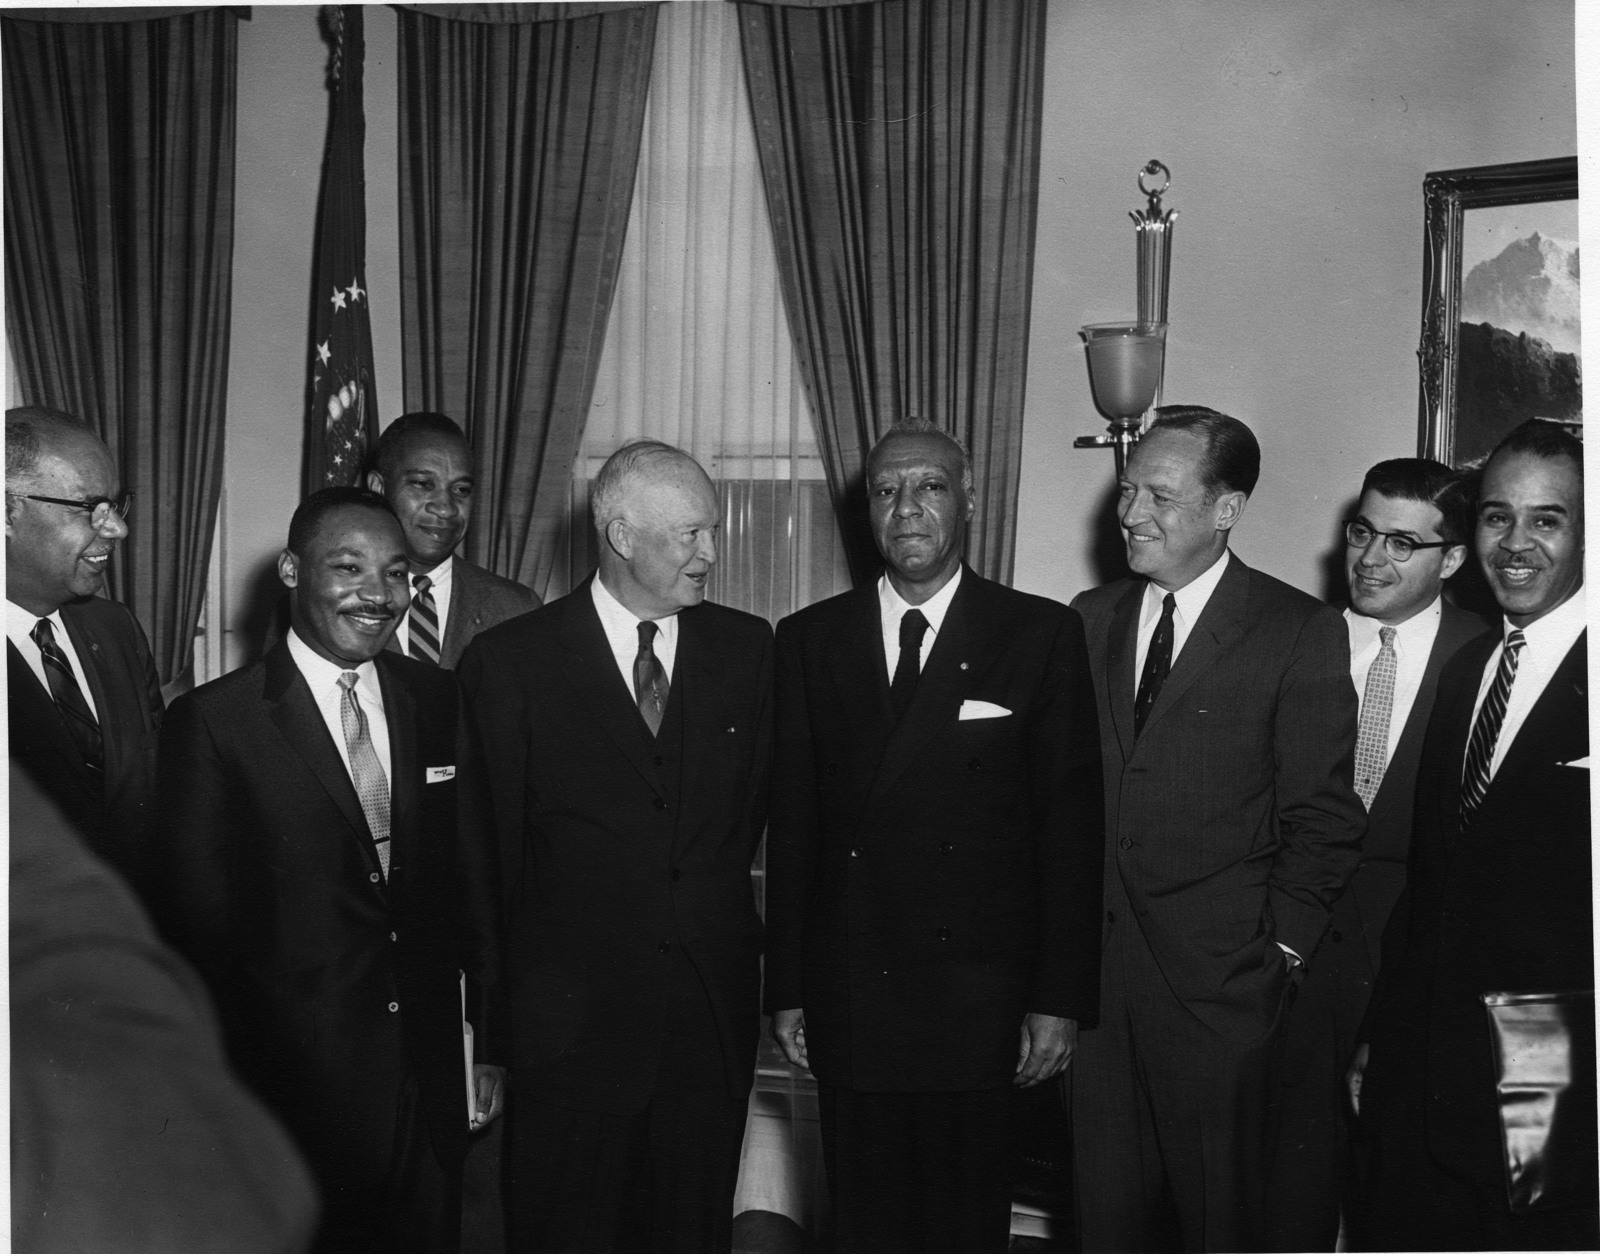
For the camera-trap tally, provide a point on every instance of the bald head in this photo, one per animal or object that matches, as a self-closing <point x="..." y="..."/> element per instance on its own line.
<point x="657" y="515"/>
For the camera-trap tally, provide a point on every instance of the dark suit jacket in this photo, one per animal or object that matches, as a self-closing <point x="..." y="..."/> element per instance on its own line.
<point x="332" y="983"/>
<point x="1232" y="821"/>
<point x="128" y="1131"/>
<point x="622" y="851"/>
<point x="479" y="600"/>
<point x="1504" y="906"/>
<point x="127" y="699"/>
<point x="930" y="883"/>
<point x="1333" y="996"/>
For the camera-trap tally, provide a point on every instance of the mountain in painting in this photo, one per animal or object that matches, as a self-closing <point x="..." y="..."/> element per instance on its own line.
<point x="1506" y="377"/>
<point x="1531" y="286"/>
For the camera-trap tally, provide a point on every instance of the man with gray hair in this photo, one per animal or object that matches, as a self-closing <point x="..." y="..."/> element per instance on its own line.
<point x="628" y="729"/>
<point x="81" y="687"/>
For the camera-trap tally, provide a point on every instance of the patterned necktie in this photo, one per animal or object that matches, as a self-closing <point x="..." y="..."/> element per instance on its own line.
<point x="372" y="787"/>
<point x="913" y="627"/>
<point x="1377" y="703"/>
<point x="422" y="623"/>
<point x="1480" y="749"/>
<point x="649" y="679"/>
<point x="69" y="699"/>
<point x="1157" y="663"/>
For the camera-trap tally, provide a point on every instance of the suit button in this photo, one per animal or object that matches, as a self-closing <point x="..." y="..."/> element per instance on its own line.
<point x="665" y="947"/>
<point x="676" y="875"/>
<point x="1336" y="937"/>
<point x="856" y="852"/>
<point x="393" y="936"/>
<point x="373" y="877"/>
<point x="1111" y="916"/>
<point x="661" y="803"/>
<point x="660" y="761"/>
<point x="394" y="1006"/>
<point x="943" y="933"/>
<point x="947" y="848"/>
<point x="1126" y="842"/>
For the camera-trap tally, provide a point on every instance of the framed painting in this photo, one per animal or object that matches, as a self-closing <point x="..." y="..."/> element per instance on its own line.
<point x="1500" y="325"/>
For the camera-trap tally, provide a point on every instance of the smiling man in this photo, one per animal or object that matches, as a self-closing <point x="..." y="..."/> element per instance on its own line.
<point x="424" y="468"/>
<point x="1501" y="896"/>
<point x="933" y="864"/>
<point x="82" y="693"/>
<point x="629" y="733"/>
<point x="1227" y="724"/>
<point x="327" y="868"/>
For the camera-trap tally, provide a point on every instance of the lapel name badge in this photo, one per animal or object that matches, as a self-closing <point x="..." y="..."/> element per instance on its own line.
<point x="438" y="774"/>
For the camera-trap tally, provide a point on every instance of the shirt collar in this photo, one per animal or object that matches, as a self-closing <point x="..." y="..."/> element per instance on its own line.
<point x="892" y="606"/>
<point x="1421" y="626"/>
<point x="1557" y="631"/>
<point x="21" y="622"/>
<point x="1192" y="597"/>
<point x="322" y="674"/>
<point x="440" y="574"/>
<point x="619" y="621"/>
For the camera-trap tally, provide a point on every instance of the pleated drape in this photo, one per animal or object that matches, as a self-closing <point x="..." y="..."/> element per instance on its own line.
<point x="519" y="142"/>
<point x="899" y="145"/>
<point x="119" y="151"/>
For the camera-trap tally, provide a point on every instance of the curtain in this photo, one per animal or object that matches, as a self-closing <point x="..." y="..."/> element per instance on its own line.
<point x="698" y="350"/>
<point x="899" y="145"/>
<point x="518" y="143"/>
<point x="119" y="148"/>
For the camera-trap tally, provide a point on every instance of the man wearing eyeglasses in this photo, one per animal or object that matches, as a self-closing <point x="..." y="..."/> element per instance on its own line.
<point x="1408" y="535"/>
<point x="82" y="691"/>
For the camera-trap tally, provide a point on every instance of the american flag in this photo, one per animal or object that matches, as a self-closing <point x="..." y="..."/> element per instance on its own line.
<point x="342" y="417"/>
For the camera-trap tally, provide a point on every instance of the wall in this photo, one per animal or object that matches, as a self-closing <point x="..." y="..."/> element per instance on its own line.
<point x="1298" y="136"/>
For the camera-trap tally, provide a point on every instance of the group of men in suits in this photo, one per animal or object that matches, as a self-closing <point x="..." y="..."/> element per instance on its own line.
<point x="1144" y="846"/>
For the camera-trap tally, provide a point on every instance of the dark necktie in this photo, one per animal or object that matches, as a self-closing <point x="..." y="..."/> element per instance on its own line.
<point x="913" y="626"/>
<point x="1157" y="663"/>
<point x="1372" y="733"/>
<point x="422" y="623"/>
<point x="649" y="679"/>
<point x="1480" y="749"/>
<point x="366" y="772"/>
<point x="69" y="699"/>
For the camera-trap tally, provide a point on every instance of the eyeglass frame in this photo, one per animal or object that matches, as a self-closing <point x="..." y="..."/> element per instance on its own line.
<point x="1389" y="537"/>
<point x="121" y="505"/>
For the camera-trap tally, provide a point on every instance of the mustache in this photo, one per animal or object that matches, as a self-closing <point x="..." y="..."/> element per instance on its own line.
<point x="370" y="611"/>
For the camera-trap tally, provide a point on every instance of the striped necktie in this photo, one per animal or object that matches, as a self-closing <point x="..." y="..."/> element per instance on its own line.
<point x="1486" y="731"/>
<point x="1377" y="704"/>
<point x="422" y="623"/>
<point x="69" y="698"/>
<point x="366" y="772"/>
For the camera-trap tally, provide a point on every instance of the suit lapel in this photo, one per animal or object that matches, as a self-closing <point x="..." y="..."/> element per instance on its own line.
<point x="400" y="713"/>
<point x="591" y="669"/>
<point x="859" y="671"/>
<point x="693" y="683"/>
<point x="33" y="708"/>
<point x="1558" y="722"/>
<point x="1219" y="625"/>
<point x="1457" y="724"/>
<point x="1122" y="652"/>
<point x="463" y="607"/>
<point x="94" y="671"/>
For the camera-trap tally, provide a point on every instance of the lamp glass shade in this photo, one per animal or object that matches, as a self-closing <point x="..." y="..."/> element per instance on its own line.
<point x="1125" y="360"/>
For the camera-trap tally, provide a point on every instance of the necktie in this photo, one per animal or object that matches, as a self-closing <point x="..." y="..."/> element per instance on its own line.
<point x="1157" y="663"/>
<point x="1480" y="749"/>
<point x="422" y="623"/>
<point x="649" y="679"/>
<point x="69" y="699"/>
<point x="913" y="627"/>
<point x="1377" y="703"/>
<point x="365" y="770"/>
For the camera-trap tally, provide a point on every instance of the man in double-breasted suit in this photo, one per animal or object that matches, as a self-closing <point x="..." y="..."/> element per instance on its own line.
<point x="1227" y="723"/>
<point x="425" y="468"/>
<point x="933" y="864"/>
<point x="1408" y="536"/>
<point x="1500" y="894"/>
<point x="82" y="694"/>
<point x="628" y="727"/>
<point x="328" y="872"/>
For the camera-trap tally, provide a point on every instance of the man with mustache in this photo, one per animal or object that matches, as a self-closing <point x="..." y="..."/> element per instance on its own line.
<point x="327" y="869"/>
<point x="1500" y="896"/>
<point x="82" y="692"/>
<point x="628" y="727"/>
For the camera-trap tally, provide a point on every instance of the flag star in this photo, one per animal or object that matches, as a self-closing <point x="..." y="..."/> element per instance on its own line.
<point x="355" y="289"/>
<point x="338" y="298"/>
<point x="324" y="352"/>
<point x="348" y="444"/>
<point x="338" y="459"/>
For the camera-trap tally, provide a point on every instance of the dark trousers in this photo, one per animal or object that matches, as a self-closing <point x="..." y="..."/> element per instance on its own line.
<point x="1171" y="1127"/>
<point x="416" y="1209"/>
<point x="918" y="1172"/>
<point x="1312" y="1170"/>
<point x="659" y="1180"/>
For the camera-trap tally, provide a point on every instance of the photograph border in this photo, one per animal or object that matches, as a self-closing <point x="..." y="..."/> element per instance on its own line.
<point x="1446" y="196"/>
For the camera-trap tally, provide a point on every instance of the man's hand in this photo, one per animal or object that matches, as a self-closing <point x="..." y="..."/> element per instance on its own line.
<point x="789" y="1030"/>
<point x="489" y="1085"/>
<point x="1352" y="1077"/>
<point x="1046" y="1048"/>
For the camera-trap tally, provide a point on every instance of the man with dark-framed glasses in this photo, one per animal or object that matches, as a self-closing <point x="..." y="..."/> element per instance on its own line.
<point x="1408" y="535"/>
<point x="82" y="691"/>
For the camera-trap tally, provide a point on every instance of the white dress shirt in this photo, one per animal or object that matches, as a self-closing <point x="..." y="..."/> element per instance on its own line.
<point x="442" y="583"/>
<point x="892" y="608"/>
<point x="19" y="628"/>
<point x="1413" y="642"/>
<point x="621" y="626"/>
<point x="1190" y="599"/>
<point x="323" y="678"/>
<point x="1549" y="640"/>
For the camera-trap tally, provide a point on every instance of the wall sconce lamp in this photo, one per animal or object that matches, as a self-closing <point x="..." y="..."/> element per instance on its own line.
<point x="1127" y="360"/>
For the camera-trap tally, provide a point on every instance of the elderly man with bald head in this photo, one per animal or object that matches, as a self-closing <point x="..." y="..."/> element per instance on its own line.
<point x="82" y="691"/>
<point x="628" y="730"/>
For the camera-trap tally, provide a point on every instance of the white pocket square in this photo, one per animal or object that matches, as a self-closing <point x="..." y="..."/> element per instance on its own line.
<point x="1581" y="763"/>
<point x="438" y="774"/>
<point x="982" y="709"/>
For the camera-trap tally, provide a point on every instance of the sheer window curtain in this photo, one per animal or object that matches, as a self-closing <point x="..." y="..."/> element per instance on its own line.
<point x="698" y="351"/>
